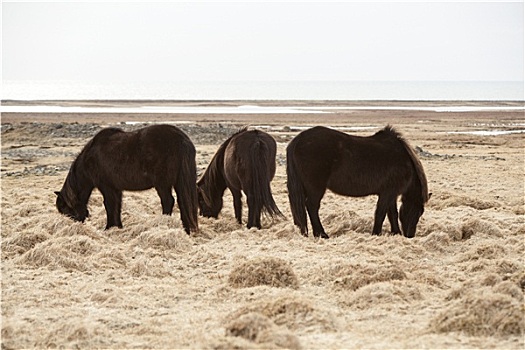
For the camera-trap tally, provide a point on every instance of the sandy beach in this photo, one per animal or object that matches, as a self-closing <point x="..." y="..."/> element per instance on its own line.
<point x="459" y="283"/>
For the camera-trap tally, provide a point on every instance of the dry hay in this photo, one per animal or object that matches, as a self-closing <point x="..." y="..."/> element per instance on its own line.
<point x="291" y="311"/>
<point x="444" y="200"/>
<point x="21" y="243"/>
<point x="164" y="239"/>
<point x="24" y="233"/>
<point x="110" y="258"/>
<point x="509" y="288"/>
<point x="386" y="295"/>
<point x="353" y="277"/>
<point x="484" y="251"/>
<point x="519" y="278"/>
<point x="339" y="223"/>
<point x="463" y="228"/>
<point x="269" y="271"/>
<point x="437" y="241"/>
<point x="482" y="313"/>
<point x="489" y="305"/>
<point x="61" y="252"/>
<point x="475" y="226"/>
<point x="152" y="267"/>
<point x="495" y="282"/>
<point x="73" y="334"/>
<point x="149" y="285"/>
<point x="259" y="329"/>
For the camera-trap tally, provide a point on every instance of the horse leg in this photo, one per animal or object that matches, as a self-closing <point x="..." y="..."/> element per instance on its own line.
<point x="113" y="205"/>
<point x="166" y="198"/>
<point x="237" y="204"/>
<point x="254" y="212"/>
<point x="313" y="203"/>
<point x="393" y="218"/>
<point x="383" y="204"/>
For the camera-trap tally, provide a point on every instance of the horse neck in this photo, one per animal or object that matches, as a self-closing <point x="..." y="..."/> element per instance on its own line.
<point x="213" y="181"/>
<point x="419" y="183"/>
<point x="77" y="186"/>
<point x="414" y="192"/>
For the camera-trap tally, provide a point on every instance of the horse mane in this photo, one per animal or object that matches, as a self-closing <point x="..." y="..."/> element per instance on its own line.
<point x="68" y="192"/>
<point x="73" y="180"/>
<point x="72" y="183"/>
<point x="213" y="172"/>
<point x="390" y="131"/>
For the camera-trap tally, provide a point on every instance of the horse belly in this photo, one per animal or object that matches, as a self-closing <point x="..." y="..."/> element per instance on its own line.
<point x="355" y="182"/>
<point x="134" y="181"/>
<point x="350" y="189"/>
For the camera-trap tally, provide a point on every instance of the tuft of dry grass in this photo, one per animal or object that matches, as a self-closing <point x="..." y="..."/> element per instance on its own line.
<point x="482" y="314"/>
<point x="437" y="242"/>
<point x="258" y="328"/>
<point x="268" y="271"/>
<point x="354" y="277"/>
<point x="61" y="252"/>
<point x="174" y="240"/>
<point x="249" y="326"/>
<point x="475" y="226"/>
<point x="21" y="243"/>
<point x="446" y="200"/>
<point x="153" y="267"/>
<point x="387" y="295"/>
<point x="292" y="312"/>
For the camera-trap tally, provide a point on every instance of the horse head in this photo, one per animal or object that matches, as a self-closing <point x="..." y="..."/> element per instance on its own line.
<point x="67" y="205"/>
<point x="409" y="214"/>
<point x="208" y="207"/>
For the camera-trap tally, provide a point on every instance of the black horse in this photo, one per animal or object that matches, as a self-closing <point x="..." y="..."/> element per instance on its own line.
<point x="159" y="156"/>
<point x="244" y="162"/>
<point x="382" y="164"/>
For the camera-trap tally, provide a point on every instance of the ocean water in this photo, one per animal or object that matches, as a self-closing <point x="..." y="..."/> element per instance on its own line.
<point x="266" y="90"/>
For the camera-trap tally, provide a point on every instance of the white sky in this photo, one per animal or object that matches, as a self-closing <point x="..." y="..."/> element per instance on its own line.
<point x="167" y="41"/>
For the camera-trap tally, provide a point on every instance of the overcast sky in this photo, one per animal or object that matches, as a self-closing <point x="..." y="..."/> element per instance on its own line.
<point x="130" y="41"/>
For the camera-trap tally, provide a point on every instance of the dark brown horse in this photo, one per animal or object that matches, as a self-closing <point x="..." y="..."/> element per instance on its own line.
<point x="382" y="164"/>
<point x="244" y="162"/>
<point x="159" y="156"/>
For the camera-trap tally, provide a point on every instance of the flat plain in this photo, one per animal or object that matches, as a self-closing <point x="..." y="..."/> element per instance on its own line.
<point x="458" y="284"/>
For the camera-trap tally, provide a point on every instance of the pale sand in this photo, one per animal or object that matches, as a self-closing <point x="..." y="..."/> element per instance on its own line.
<point x="458" y="284"/>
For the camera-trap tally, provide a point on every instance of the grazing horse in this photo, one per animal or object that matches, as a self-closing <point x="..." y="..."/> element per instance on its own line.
<point x="159" y="156"/>
<point x="244" y="162"/>
<point x="382" y="164"/>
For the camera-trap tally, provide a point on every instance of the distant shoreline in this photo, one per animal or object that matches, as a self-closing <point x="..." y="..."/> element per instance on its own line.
<point x="262" y="102"/>
<point x="254" y="111"/>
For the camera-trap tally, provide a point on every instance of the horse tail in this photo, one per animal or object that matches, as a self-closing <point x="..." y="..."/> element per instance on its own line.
<point x="186" y="187"/>
<point x="296" y="193"/>
<point x="261" y="156"/>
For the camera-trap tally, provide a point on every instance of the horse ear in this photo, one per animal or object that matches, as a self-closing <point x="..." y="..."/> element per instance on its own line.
<point x="58" y="193"/>
<point x="429" y="195"/>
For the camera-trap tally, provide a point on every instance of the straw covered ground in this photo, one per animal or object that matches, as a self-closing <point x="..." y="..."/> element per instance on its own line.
<point x="458" y="284"/>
